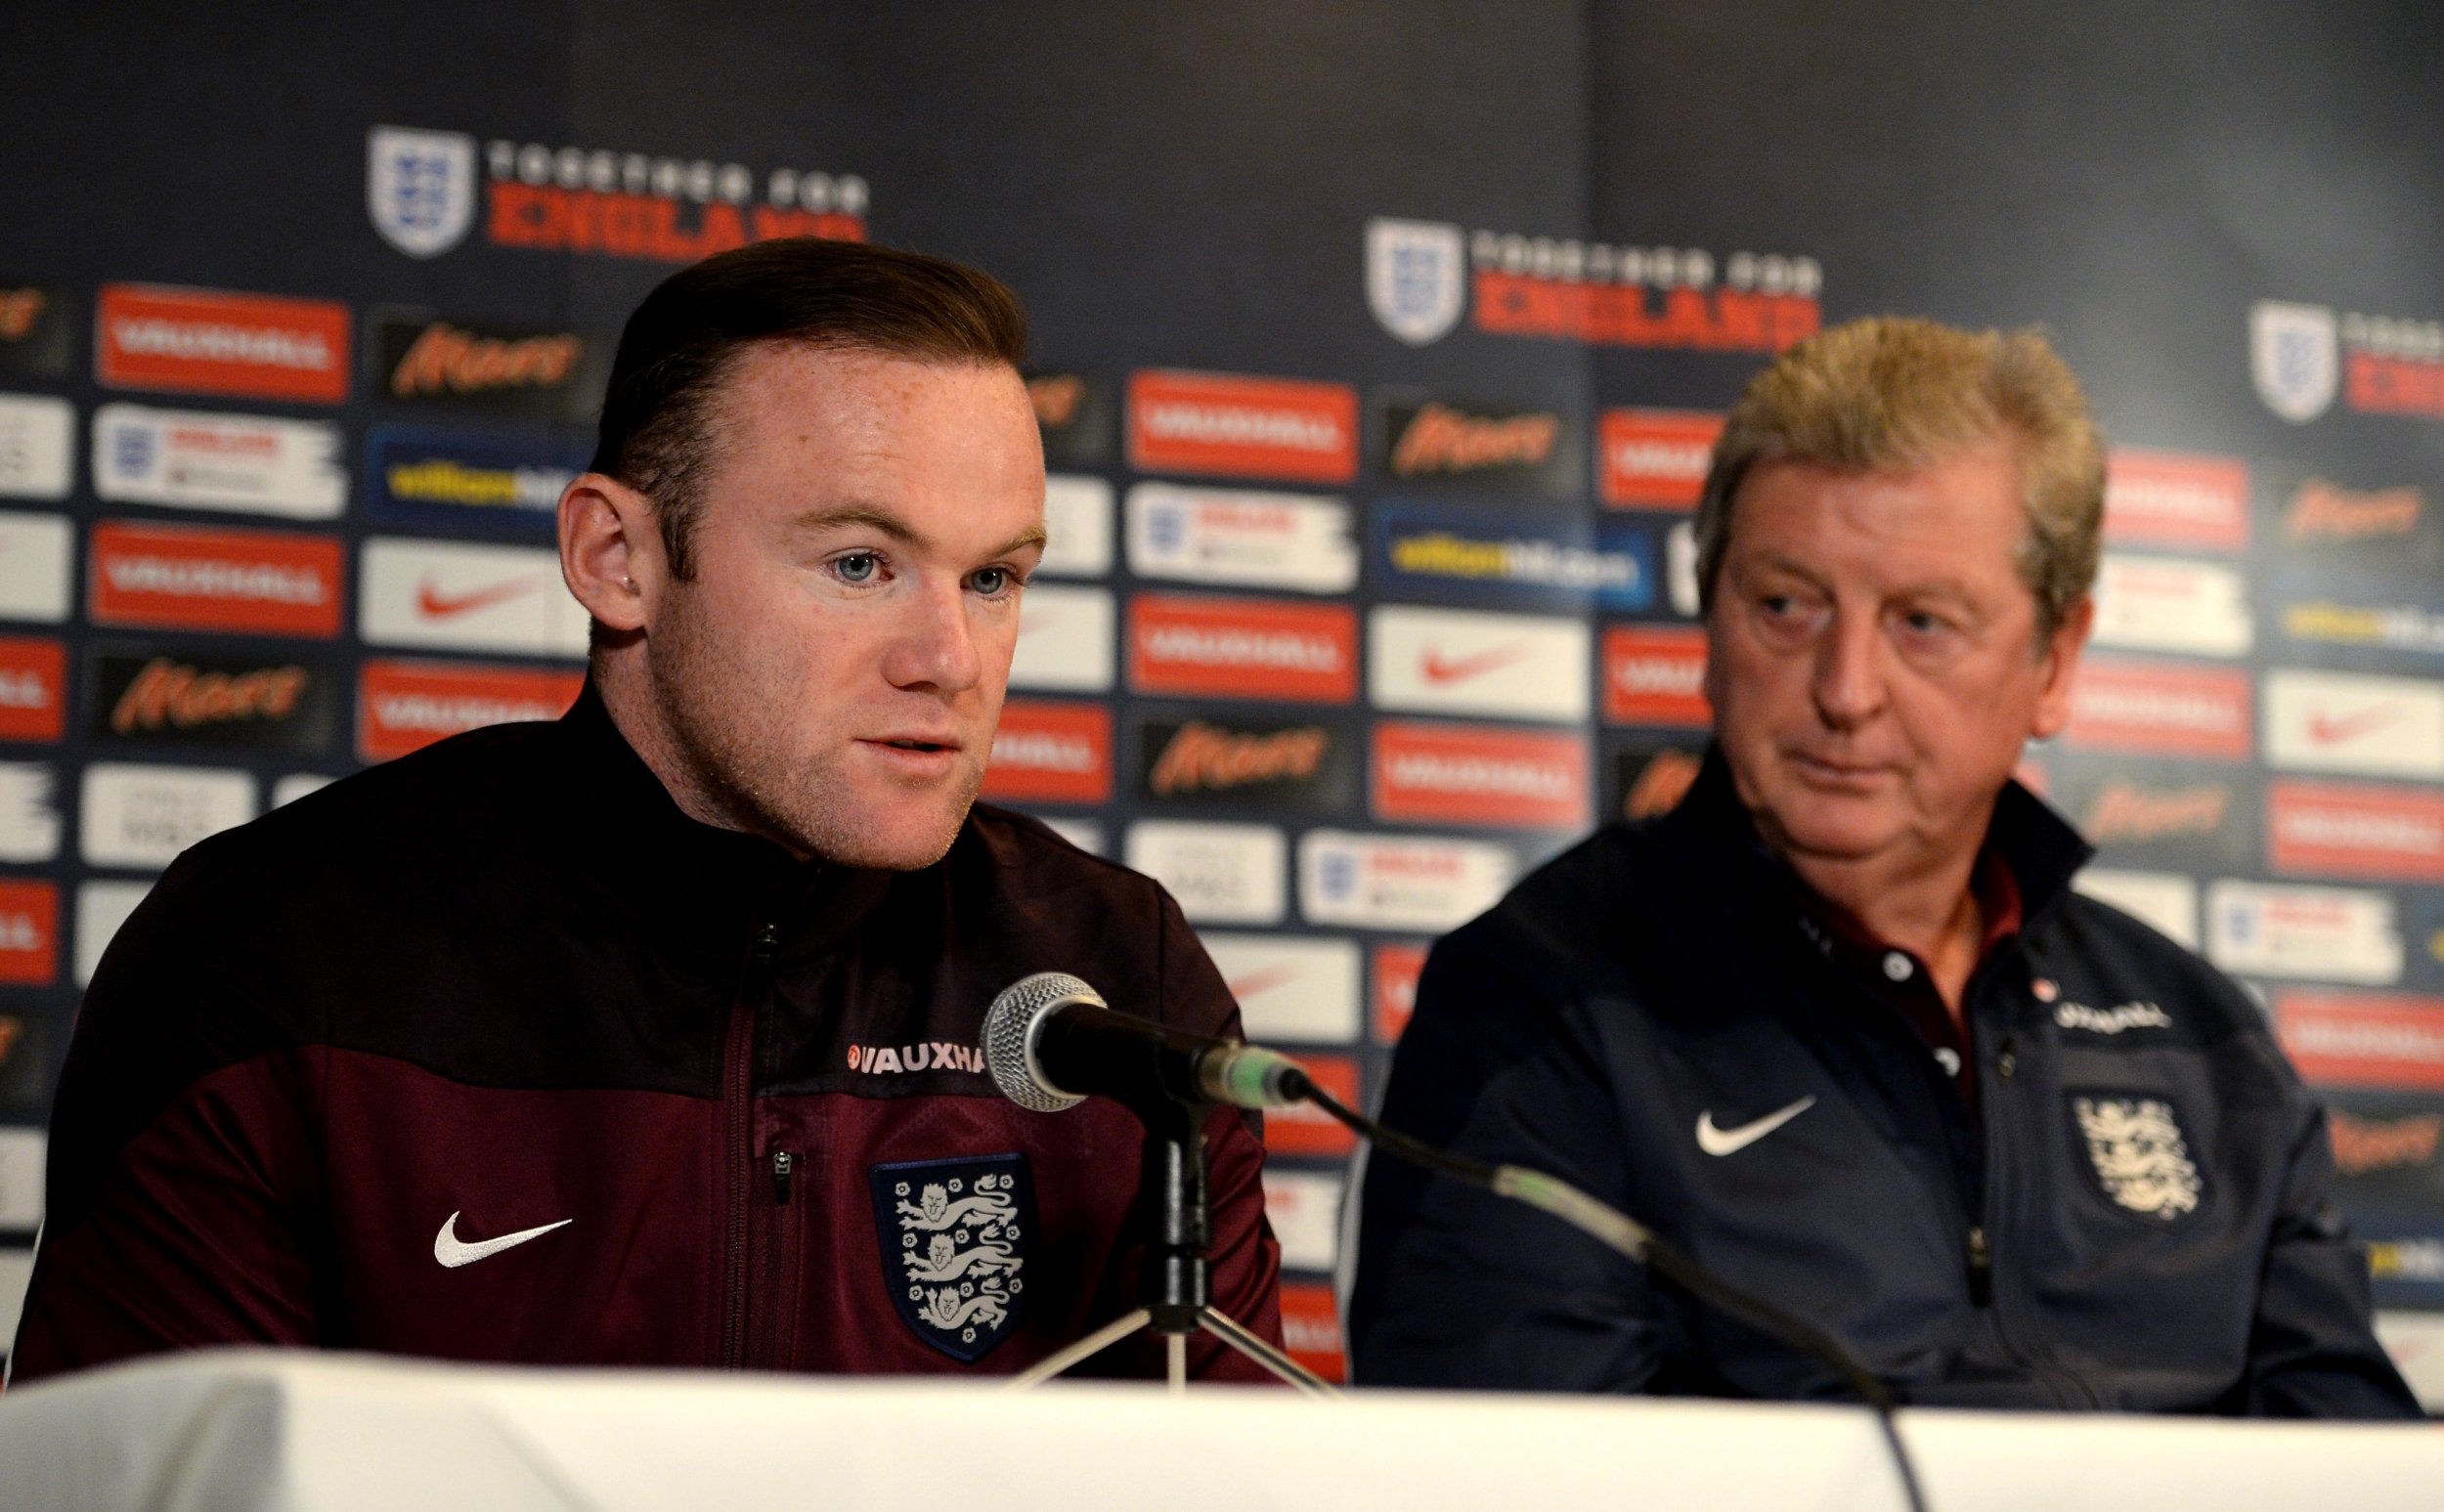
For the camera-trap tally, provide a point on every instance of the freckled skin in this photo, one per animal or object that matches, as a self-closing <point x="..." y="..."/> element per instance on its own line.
<point x="765" y="690"/>
<point x="1875" y="670"/>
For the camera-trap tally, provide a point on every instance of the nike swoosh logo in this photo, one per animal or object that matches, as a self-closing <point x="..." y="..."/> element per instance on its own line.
<point x="1437" y="669"/>
<point x="1247" y="987"/>
<point x="433" y="604"/>
<point x="452" y="1252"/>
<point x="2324" y="729"/>
<point x="1730" y="1142"/>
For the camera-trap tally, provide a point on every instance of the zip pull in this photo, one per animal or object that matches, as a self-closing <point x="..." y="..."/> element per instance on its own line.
<point x="1981" y="1268"/>
<point x="784" y="1165"/>
<point x="767" y="939"/>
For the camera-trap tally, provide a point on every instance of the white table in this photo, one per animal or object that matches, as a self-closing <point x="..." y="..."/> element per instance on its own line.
<point x="240" y="1429"/>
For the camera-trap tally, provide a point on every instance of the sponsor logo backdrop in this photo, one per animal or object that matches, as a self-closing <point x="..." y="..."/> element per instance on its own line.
<point x="1376" y="400"/>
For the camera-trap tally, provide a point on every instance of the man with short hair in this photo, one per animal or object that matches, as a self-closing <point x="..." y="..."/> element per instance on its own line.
<point x="649" y="1037"/>
<point x="1837" y="1025"/>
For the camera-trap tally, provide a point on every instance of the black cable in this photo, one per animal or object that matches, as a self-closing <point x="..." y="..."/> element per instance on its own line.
<point x="1616" y="1229"/>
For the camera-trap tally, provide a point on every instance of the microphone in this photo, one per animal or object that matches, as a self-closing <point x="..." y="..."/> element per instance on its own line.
<point x="1050" y="1041"/>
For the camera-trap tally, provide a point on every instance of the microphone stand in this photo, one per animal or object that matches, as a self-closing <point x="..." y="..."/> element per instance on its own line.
<point x="1175" y="1284"/>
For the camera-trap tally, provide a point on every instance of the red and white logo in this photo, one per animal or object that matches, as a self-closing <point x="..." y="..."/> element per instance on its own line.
<point x="1409" y="883"/>
<point x="2363" y="1039"/>
<point x="1452" y="774"/>
<point x="2372" y="726"/>
<point x="1243" y="648"/>
<point x="179" y="577"/>
<point x="197" y="341"/>
<point x="1304" y="1129"/>
<point x="406" y="706"/>
<point x="1455" y="661"/>
<point x="1396" y="971"/>
<point x="2339" y="830"/>
<point x="2348" y="934"/>
<point x="30" y="934"/>
<point x="2160" y="710"/>
<point x="33" y="689"/>
<point x="1304" y="1208"/>
<point x="1311" y="1330"/>
<point x="1656" y="677"/>
<point x="1222" y="424"/>
<point x="1051" y="754"/>
<point x="2160" y="603"/>
<point x="459" y="596"/>
<point x="1655" y="458"/>
<point x="1303" y="990"/>
<point x="2169" y="499"/>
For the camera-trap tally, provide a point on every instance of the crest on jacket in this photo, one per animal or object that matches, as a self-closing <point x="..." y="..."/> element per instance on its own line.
<point x="954" y="1235"/>
<point x="2141" y="1159"/>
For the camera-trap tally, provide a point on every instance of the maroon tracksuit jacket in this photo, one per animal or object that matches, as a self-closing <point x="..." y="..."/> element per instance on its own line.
<point x="494" y="1055"/>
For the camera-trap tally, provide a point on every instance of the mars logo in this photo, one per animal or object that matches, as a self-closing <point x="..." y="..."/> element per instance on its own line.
<point x="1415" y="278"/>
<point x="2326" y="511"/>
<point x="2294" y="358"/>
<point x="420" y="188"/>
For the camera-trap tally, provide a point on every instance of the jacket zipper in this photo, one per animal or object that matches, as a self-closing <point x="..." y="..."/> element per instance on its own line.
<point x="738" y="1112"/>
<point x="2066" y="1386"/>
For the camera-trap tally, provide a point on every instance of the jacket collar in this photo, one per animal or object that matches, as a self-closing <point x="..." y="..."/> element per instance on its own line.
<point x="702" y="888"/>
<point x="2041" y="850"/>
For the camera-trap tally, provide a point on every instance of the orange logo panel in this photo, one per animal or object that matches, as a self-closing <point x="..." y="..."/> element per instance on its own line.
<point x="1243" y="648"/>
<point x="30" y="934"/>
<point x="1656" y="677"/>
<point x="1396" y="971"/>
<point x="183" y="578"/>
<point x="406" y="706"/>
<point x="1051" y="754"/>
<point x="1453" y="774"/>
<point x="1654" y="459"/>
<point x="33" y="689"/>
<point x="1208" y="422"/>
<point x="1303" y="1129"/>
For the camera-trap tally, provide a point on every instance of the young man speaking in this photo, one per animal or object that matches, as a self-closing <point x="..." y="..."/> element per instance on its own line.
<point x="648" y="1037"/>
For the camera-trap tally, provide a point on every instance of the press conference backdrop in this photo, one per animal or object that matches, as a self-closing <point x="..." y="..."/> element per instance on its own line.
<point x="1379" y="349"/>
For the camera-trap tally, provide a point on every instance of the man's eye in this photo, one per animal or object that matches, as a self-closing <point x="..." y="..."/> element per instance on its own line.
<point x="858" y="568"/>
<point x="994" y="581"/>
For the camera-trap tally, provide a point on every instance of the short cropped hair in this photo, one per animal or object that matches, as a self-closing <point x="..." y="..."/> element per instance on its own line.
<point x="1896" y="394"/>
<point x="660" y="432"/>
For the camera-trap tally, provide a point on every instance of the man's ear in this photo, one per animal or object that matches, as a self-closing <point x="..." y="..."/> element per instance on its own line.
<point x="2059" y="665"/>
<point x="610" y="551"/>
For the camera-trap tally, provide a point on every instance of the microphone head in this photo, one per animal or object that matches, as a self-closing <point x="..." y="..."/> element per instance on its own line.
<point x="1008" y="1040"/>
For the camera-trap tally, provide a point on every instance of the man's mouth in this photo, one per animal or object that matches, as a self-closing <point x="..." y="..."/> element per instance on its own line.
<point x="917" y="743"/>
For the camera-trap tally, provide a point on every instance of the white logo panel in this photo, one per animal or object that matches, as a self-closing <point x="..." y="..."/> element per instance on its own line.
<point x="1304" y="1208"/>
<point x="1243" y="537"/>
<point x="29" y="813"/>
<point x="2339" y="934"/>
<point x="2332" y="723"/>
<point x="1451" y="661"/>
<point x="1397" y="881"/>
<point x="1077" y="527"/>
<point x="38" y="446"/>
<point x="35" y="550"/>
<point x="1220" y="873"/>
<point x="2164" y="902"/>
<point x="21" y="1152"/>
<point x="466" y="597"/>
<point x="1064" y="640"/>
<point x="2153" y="604"/>
<point x="101" y="908"/>
<point x="142" y="817"/>
<point x="242" y="463"/>
<point x="1302" y="991"/>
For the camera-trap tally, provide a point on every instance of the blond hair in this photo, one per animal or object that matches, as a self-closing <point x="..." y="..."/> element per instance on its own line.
<point x="1896" y="394"/>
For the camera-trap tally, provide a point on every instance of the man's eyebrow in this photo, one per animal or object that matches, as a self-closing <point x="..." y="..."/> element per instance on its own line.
<point x="1032" y="536"/>
<point x="881" y="521"/>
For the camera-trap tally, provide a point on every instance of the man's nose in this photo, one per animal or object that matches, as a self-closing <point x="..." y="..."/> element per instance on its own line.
<point x="1849" y="683"/>
<point x="936" y="647"/>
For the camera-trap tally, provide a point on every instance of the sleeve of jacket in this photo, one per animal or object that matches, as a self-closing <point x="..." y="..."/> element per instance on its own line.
<point x="1453" y="1285"/>
<point x="181" y="1173"/>
<point x="2311" y="1352"/>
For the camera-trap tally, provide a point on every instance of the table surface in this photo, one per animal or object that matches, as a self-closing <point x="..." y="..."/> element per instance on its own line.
<point x="246" y="1429"/>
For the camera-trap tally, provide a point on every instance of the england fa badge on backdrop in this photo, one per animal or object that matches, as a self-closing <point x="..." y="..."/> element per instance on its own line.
<point x="420" y="188"/>
<point x="1416" y="278"/>
<point x="955" y="1237"/>
<point x="2141" y="1161"/>
<point x="2292" y="358"/>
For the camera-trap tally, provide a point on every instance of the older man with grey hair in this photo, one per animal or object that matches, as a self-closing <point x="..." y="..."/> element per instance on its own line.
<point x="1837" y="1025"/>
